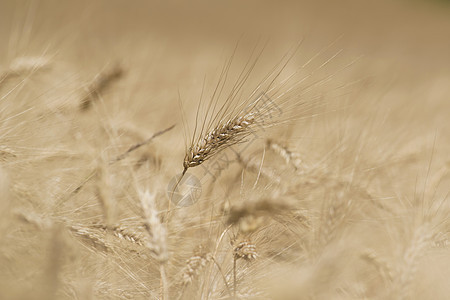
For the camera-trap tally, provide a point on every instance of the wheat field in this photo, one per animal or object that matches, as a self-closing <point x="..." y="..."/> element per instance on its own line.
<point x="228" y="150"/>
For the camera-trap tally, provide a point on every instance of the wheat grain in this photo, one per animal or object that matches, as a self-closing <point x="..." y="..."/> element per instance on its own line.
<point x="245" y="250"/>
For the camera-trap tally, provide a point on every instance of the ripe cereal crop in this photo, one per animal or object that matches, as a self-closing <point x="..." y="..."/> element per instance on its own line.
<point x="270" y="150"/>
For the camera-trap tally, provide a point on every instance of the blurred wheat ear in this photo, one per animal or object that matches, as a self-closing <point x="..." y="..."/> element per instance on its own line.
<point x="231" y="122"/>
<point x="100" y="82"/>
<point x="224" y="135"/>
<point x="25" y="65"/>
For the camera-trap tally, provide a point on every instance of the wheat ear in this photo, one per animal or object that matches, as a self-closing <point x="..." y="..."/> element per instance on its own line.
<point x="100" y="82"/>
<point x="222" y="136"/>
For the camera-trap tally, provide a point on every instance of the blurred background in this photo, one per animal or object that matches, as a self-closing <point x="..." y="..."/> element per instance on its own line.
<point x="174" y="44"/>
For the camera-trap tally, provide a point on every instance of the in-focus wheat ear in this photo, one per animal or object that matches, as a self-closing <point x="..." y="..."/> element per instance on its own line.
<point x="230" y="123"/>
<point x="224" y="135"/>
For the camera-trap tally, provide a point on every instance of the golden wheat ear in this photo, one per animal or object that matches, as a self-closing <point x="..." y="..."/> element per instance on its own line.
<point x="101" y="82"/>
<point x="230" y="122"/>
<point x="222" y="136"/>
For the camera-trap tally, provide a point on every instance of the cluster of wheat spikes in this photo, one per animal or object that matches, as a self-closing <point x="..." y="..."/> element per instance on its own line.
<point x="327" y="190"/>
